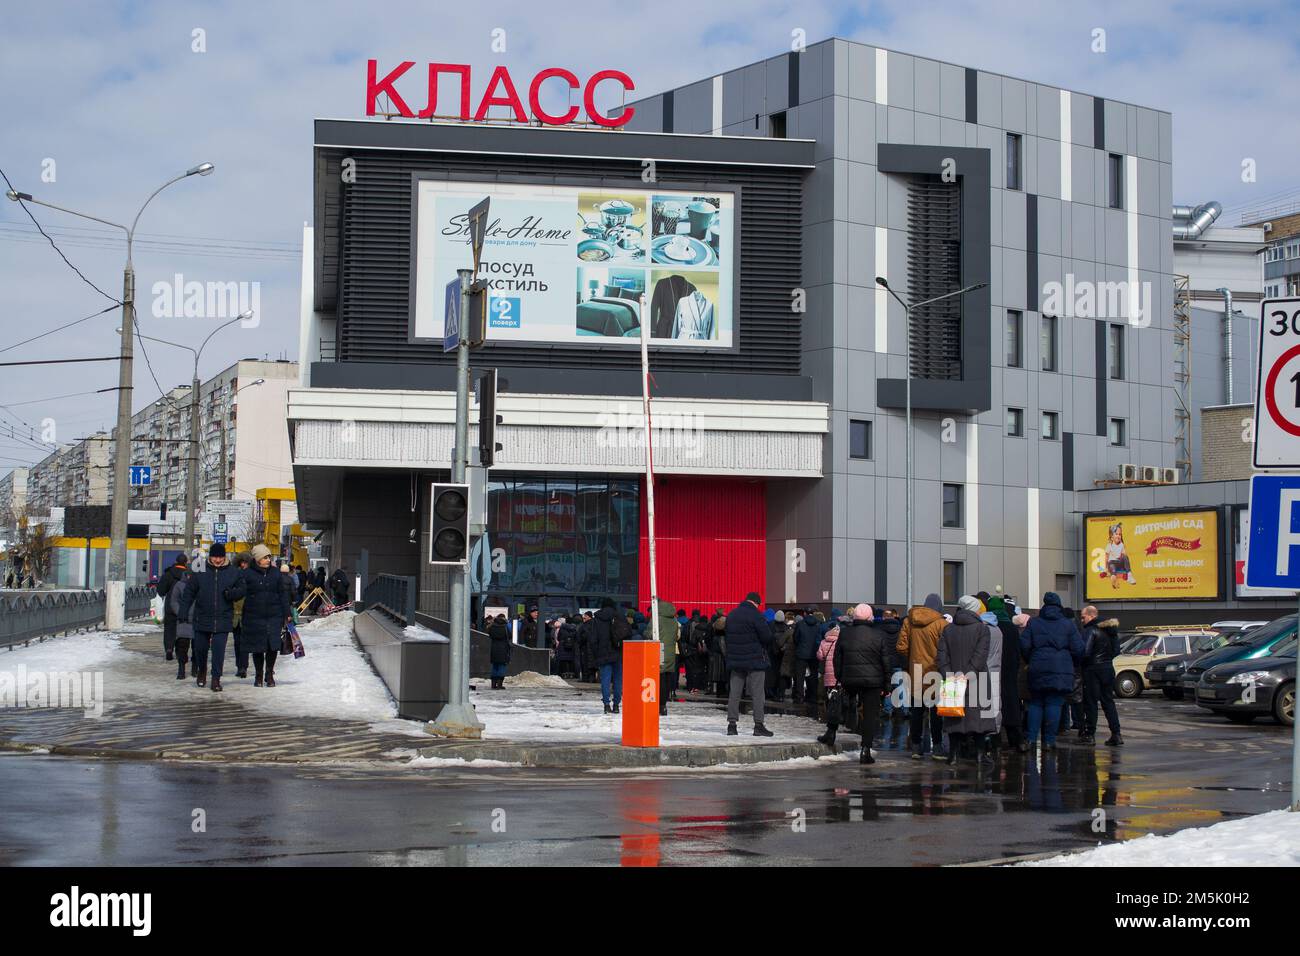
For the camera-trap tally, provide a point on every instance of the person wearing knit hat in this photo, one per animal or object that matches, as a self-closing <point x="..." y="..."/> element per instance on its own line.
<point x="268" y="606"/>
<point x="261" y="551"/>
<point x="210" y="597"/>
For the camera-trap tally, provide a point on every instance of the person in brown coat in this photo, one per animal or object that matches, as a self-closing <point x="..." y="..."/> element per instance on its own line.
<point x="918" y="641"/>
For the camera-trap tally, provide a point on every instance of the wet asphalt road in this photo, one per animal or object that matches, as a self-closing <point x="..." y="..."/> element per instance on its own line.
<point x="1183" y="768"/>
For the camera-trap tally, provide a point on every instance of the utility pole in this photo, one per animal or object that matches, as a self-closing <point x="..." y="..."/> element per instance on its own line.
<point x="116" y="578"/>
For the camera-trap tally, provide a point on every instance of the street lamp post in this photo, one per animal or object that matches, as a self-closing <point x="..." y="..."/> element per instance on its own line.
<point x="115" y="579"/>
<point x="907" y="400"/>
<point x="191" y="466"/>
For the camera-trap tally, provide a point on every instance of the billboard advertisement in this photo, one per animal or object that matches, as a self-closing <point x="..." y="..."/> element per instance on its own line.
<point x="1241" y="538"/>
<point x="1152" y="555"/>
<point x="582" y="265"/>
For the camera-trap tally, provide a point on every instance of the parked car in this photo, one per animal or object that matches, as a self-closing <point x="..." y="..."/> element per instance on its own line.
<point x="1222" y="688"/>
<point x="1250" y="645"/>
<point x="1166" y="675"/>
<point x="1150" y="645"/>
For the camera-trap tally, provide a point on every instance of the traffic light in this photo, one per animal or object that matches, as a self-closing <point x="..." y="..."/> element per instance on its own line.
<point x="449" y="524"/>
<point x="485" y="386"/>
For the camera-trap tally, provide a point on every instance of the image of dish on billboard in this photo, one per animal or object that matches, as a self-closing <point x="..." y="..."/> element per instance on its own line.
<point x="1152" y="556"/>
<point x="580" y="265"/>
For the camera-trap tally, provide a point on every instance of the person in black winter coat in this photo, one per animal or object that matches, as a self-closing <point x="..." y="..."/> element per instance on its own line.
<point x="749" y="642"/>
<point x="267" y="608"/>
<point x="863" y="664"/>
<point x="586" y="655"/>
<point x="340" y="586"/>
<point x="609" y="629"/>
<point x="209" y="604"/>
<point x="1100" y="646"/>
<point x="1009" y="675"/>
<point x="808" y="635"/>
<point x="501" y="651"/>
<point x="179" y="569"/>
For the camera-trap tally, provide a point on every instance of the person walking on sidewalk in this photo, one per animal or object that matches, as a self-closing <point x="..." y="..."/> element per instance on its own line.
<point x="830" y="681"/>
<point x="179" y="569"/>
<point x="268" y="606"/>
<point x="183" y="632"/>
<point x="918" y="641"/>
<point x="1100" y="645"/>
<point x="609" y="629"/>
<point x="862" y="666"/>
<point x="209" y="604"/>
<point x="749" y="644"/>
<point x="1009" y="675"/>
<point x="669" y="631"/>
<point x="502" y="649"/>
<point x="1051" y="645"/>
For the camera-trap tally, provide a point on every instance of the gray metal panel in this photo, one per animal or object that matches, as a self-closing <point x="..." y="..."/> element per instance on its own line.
<point x="926" y="96"/>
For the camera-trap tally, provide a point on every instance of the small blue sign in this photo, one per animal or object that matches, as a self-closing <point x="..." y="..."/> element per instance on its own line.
<point x="141" y="475"/>
<point x="451" y="317"/>
<point x="504" y="313"/>
<point x="1273" y="548"/>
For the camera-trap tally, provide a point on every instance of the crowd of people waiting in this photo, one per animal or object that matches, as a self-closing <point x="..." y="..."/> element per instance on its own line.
<point x="869" y="671"/>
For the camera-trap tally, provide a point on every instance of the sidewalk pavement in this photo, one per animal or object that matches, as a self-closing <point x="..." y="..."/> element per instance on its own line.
<point x="330" y="706"/>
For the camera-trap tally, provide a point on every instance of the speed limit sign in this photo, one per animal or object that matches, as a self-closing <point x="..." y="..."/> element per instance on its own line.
<point x="1277" y="392"/>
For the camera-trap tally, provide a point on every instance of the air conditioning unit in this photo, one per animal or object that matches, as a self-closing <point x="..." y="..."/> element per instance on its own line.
<point x="1150" y="473"/>
<point x="1169" y="475"/>
<point x="1128" y="472"/>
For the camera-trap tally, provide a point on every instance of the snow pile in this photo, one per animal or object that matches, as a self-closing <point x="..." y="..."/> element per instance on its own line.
<point x="1268" y="839"/>
<point x="535" y="714"/>
<point x="534" y="679"/>
<point x="419" y="631"/>
<point x="433" y="762"/>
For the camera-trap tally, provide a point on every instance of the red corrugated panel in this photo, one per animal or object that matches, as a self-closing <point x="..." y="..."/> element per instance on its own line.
<point x="710" y="542"/>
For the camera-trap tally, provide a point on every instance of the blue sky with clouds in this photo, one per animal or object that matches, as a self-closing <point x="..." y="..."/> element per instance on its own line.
<point x="114" y="94"/>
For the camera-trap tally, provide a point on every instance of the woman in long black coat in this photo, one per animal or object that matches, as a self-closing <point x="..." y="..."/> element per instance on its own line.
<point x="500" y="651"/>
<point x="267" y="608"/>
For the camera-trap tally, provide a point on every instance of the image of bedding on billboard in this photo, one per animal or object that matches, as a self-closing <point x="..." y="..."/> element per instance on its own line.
<point x="582" y="265"/>
<point x="1159" y="556"/>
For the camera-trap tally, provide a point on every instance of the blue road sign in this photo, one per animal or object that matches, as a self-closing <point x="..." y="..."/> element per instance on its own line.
<point x="1273" y="548"/>
<point x="451" y="317"/>
<point x="141" y="475"/>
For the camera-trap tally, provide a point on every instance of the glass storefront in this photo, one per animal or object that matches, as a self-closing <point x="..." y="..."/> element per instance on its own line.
<point x="562" y="543"/>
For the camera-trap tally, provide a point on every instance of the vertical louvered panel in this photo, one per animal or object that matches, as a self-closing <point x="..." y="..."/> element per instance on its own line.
<point x="934" y="268"/>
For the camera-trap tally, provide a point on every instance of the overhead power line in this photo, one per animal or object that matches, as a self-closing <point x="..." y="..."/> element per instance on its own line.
<point x="60" y="328"/>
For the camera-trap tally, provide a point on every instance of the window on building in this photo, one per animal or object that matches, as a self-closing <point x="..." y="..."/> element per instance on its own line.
<point x="1117" y="431"/>
<point x="952" y="506"/>
<point x="1115" y="351"/>
<point x="1016" y="422"/>
<point x="1065" y="588"/>
<point x="776" y="125"/>
<point x="1047" y="343"/>
<point x="953" y="586"/>
<point x="1051" y="430"/>
<point x="1015" y="322"/>
<point x="1273" y="253"/>
<point x="1013" y="160"/>
<point x="1115" y="181"/>
<point x="859" y="439"/>
<point x="1293" y="249"/>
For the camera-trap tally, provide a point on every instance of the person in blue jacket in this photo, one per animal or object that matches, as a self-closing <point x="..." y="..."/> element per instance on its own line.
<point x="1050" y="645"/>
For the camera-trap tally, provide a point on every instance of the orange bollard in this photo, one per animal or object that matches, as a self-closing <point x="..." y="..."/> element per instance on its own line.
<point x="640" y="694"/>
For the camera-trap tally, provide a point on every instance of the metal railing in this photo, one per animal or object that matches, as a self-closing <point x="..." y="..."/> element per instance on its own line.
<point x="28" y="617"/>
<point x="393" y="594"/>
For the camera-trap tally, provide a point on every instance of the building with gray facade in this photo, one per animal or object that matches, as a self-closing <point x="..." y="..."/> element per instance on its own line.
<point x="847" y="162"/>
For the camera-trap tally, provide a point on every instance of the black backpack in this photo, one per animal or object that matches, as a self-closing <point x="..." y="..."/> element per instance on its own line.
<point x="619" y="631"/>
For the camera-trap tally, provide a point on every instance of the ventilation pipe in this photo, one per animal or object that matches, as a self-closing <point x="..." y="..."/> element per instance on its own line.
<point x="1227" y="343"/>
<point x="1191" y="221"/>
